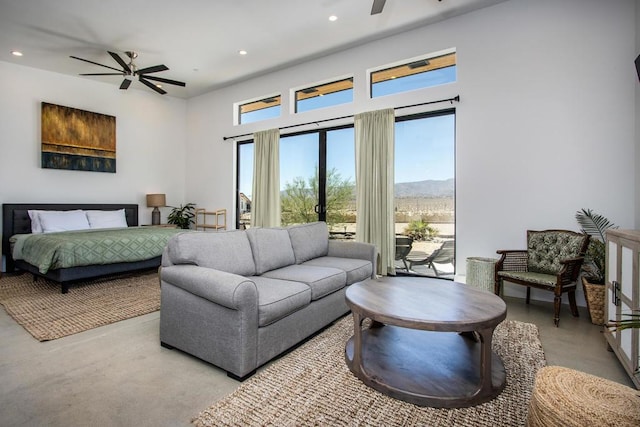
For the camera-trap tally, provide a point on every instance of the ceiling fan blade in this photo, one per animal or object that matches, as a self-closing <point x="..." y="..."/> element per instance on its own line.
<point x="168" y="81"/>
<point x="152" y="86"/>
<point x="120" y="61"/>
<point x="377" y="6"/>
<point x="102" y="74"/>
<point x="125" y="84"/>
<point x="153" y="69"/>
<point x="95" y="63"/>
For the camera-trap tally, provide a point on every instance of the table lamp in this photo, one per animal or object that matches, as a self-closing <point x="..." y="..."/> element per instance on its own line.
<point x="154" y="201"/>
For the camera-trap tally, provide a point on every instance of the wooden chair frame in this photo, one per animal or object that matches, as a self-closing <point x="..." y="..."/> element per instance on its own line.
<point x="517" y="261"/>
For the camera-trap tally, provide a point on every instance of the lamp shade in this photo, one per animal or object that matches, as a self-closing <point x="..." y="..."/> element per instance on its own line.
<point x="156" y="200"/>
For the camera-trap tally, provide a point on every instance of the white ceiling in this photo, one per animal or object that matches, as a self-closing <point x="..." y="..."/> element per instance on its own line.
<point x="199" y="40"/>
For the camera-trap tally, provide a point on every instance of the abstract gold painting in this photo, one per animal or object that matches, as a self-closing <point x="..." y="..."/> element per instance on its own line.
<point x="77" y="140"/>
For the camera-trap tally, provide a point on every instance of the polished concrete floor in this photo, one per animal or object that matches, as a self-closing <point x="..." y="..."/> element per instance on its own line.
<point x="118" y="375"/>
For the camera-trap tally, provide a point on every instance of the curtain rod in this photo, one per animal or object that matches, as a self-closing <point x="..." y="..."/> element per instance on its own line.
<point x="451" y="100"/>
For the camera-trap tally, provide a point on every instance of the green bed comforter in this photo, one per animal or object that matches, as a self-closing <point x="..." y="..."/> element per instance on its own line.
<point x="51" y="251"/>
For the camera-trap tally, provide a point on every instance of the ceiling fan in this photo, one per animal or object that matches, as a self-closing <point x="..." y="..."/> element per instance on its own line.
<point x="130" y="71"/>
<point x="377" y="6"/>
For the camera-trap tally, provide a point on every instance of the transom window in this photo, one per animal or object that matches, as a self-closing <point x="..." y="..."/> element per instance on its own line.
<point x="324" y="95"/>
<point x="414" y="74"/>
<point x="262" y="109"/>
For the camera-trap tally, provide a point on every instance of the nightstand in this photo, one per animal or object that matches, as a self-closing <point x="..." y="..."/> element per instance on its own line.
<point x="160" y="225"/>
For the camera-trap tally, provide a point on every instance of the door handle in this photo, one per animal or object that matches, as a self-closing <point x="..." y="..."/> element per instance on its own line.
<point x="615" y="288"/>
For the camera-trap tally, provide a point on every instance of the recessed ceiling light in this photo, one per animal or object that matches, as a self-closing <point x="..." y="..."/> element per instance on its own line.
<point x="158" y="85"/>
<point x="16" y="53"/>
<point x="333" y="18"/>
<point x="242" y="52"/>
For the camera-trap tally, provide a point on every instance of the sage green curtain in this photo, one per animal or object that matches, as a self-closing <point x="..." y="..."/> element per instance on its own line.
<point x="374" y="132"/>
<point x="265" y="206"/>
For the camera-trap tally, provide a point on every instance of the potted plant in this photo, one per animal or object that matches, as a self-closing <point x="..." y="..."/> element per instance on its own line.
<point x="182" y="216"/>
<point x="632" y="321"/>
<point x="593" y="267"/>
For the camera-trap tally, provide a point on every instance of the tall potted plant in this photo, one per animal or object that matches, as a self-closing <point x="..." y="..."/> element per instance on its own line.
<point x="182" y="216"/>
<point x="593" y="267"/>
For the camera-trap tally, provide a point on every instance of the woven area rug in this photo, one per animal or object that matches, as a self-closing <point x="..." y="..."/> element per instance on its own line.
<point x="313" y="386"/>
<point x="48" y="314"/>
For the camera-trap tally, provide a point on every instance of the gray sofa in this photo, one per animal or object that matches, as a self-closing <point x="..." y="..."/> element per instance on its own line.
<point x="237" y="299"/>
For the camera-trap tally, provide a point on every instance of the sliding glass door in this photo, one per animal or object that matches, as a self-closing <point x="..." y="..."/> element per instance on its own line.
<point x="317" y="183"/>
<point x="317" y="180"/>
<point x="299" y="178"/>
<point x="425" y="192"/>
<point x="340" y="183"/>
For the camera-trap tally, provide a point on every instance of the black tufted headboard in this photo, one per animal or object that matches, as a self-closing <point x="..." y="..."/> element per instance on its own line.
<point x="15" y="218"/>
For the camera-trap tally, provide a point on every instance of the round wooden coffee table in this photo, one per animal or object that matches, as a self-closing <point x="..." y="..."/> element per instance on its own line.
<point x="429" y="343"/>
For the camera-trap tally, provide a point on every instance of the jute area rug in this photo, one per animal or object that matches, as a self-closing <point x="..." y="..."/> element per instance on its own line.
<point x="312" y="386"/>
<point x="48" y="314"/>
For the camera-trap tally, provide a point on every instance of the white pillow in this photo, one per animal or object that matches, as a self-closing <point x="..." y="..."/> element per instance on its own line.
<point x="63" y="221"/>
<point x="107" y="219"/>
<point x="36" y="227"/>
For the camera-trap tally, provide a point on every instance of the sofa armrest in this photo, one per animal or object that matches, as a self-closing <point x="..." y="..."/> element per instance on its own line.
<point x="226" y="289"/>
<point x="165" y="260"/>
<point x="358" y="250"/>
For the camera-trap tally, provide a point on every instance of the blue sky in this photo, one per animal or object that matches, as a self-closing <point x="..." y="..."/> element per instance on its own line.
<point x="424" y="149"/>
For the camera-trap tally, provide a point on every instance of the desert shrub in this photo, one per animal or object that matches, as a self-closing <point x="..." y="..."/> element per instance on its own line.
<point x="420" y="230"/>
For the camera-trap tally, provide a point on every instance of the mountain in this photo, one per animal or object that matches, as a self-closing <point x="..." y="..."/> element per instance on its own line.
<point x="428" y="189"/>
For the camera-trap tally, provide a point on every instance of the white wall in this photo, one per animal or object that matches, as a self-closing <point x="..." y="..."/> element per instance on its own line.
<point x="150" y="142"/>
<point x="545" y="126"/>
<point x="637" y="120"/>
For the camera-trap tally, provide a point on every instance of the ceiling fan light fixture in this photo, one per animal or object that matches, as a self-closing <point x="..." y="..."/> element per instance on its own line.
<point x="131" y="71"/>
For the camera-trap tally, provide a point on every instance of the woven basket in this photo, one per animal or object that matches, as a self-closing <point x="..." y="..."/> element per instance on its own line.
<point x="568" y="398"/>
<point x="594" y="294"/>
<point x="481" y="273"/>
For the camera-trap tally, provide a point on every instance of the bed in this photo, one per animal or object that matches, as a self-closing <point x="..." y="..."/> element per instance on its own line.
<point x="16" y="221"/>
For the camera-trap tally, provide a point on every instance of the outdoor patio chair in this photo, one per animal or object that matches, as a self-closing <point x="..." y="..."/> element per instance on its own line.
<point x="445" y="254"/>
<point x="551" y="262"/>
<point x="403" y="247"/>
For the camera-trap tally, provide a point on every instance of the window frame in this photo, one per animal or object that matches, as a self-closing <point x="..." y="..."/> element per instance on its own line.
<point x="322" y="146"/>
<point x="237" y="107"/>
<point x="406" y="62"/>
<point x="293" y="108"/>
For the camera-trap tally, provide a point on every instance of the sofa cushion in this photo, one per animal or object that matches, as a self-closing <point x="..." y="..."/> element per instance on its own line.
<point x="539" y="278"/>
<point x="545" y="249"/>
<point x="309" y="240"/>
<point x="321" y="280"/>
<point x="357" y="270"/>
<point x="228" y="251"/>
<point x="279" y="298"/>
<point x="271" y="248"/>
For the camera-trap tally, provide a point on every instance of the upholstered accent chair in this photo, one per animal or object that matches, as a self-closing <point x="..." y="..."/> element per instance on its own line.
<point x="551" y="262"/>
